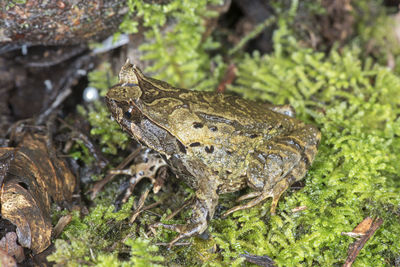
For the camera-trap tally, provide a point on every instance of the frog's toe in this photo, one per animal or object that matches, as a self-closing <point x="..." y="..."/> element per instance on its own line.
<point x="179" y="228"/>
<point x="185" y="231"/>
<point x="173" y="227"/>
<point x="277" y="191"/>
<point x="248" y="196"/>
<point x="260" y="196"/>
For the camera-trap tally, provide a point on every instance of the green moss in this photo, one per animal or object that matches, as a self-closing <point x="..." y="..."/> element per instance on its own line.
<point x="87" y="241"/>
<point x="180" y="54"/>
<point x="105" y="130"/>
<point x="355" y="173"/>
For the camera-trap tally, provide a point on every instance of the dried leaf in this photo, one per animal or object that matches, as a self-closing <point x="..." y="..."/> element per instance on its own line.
<point x="34" y="180"/>
<point x="6" y="156"/>
<point x="229" y="77"/>
<point x="365" y="229"/>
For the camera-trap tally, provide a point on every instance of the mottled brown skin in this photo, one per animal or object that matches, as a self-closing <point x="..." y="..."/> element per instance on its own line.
<point x="217" y="143"/>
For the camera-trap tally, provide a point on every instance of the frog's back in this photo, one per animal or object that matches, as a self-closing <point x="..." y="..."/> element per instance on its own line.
<point x="208" y="118"/>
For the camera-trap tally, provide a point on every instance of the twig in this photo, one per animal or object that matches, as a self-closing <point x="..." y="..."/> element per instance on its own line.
<point x="100" y="184"/>
<point x="100" y="160"/>
<point x="142" y="199"/>
<point x="263" y="261"/>
<point x="172" y="215"/>
<point x="300" y="208"/>
<point x="354" y="248"/>
<point x="229" y="77"/>
<point x="176" y="244"/>
<point x="254" y="33"/>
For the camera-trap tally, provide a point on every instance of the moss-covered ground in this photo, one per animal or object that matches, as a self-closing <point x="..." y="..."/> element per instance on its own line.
<point x="352" y="97"/>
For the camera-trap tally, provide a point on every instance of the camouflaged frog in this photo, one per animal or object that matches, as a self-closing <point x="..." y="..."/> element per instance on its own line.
<point x="217" y="143"/>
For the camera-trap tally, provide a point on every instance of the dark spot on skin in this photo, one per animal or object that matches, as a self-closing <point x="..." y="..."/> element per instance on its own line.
<point x="152" y="168"/>
<point x="140" y="173"/>
<point x="146" y="160"/>
<point x="216" y="172"/>
<point x="182" y="148"/>
<point x="213" y="128"/>
<point x="291" y="179"/>
<point x="127" y="114"/>
<point x="209" y="149"/>
<point x="194" y="144"/>
<point x="197" y="125"/>
<point x="253" y="136"/>
<point x="229" y="152"/>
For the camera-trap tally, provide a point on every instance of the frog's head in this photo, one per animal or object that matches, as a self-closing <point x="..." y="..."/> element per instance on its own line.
<point x="128" y="88"/>
<point x="129" y="101"/>
<point x="123" y="96"/>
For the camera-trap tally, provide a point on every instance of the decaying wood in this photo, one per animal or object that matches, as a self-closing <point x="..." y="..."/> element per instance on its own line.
<point x="58" y="22"/>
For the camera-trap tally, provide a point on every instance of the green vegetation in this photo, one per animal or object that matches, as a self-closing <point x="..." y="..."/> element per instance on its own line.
<point x="102" y="230"/>
<point x="352" y="97"/>
<point x="106" y="131"/>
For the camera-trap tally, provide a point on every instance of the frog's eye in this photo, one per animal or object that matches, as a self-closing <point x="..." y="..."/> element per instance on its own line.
<point x="127" y="115"/>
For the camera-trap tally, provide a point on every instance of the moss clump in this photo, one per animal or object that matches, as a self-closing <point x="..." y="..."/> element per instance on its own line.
<point x="180" y="54"/>
<point x="355" y="174"/>
<point x="90" y="239"/>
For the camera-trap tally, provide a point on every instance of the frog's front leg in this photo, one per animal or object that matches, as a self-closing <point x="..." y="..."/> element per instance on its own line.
<point x="203" y="210"/>
<point x="277" y="163"/>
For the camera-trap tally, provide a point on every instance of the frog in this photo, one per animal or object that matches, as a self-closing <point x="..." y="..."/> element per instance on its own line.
<point x="217" y="143"/>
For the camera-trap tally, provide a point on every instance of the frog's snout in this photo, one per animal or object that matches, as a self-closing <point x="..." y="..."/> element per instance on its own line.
<point x="115" y="110"/>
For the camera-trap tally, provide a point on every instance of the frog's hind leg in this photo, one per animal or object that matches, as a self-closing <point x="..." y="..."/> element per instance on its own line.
<point x="196" y="225"/>
<point x="203" y="210"/>
<point x="278" y="163"/>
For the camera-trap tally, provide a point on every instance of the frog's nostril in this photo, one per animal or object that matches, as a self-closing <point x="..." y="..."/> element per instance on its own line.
<point x="197" y="125"/>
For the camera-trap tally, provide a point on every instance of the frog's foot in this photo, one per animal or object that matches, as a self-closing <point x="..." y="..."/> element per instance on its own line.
<point x="184" y="231"/>
<point x="203" y="210"/>
<point x="275" y="193"/>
